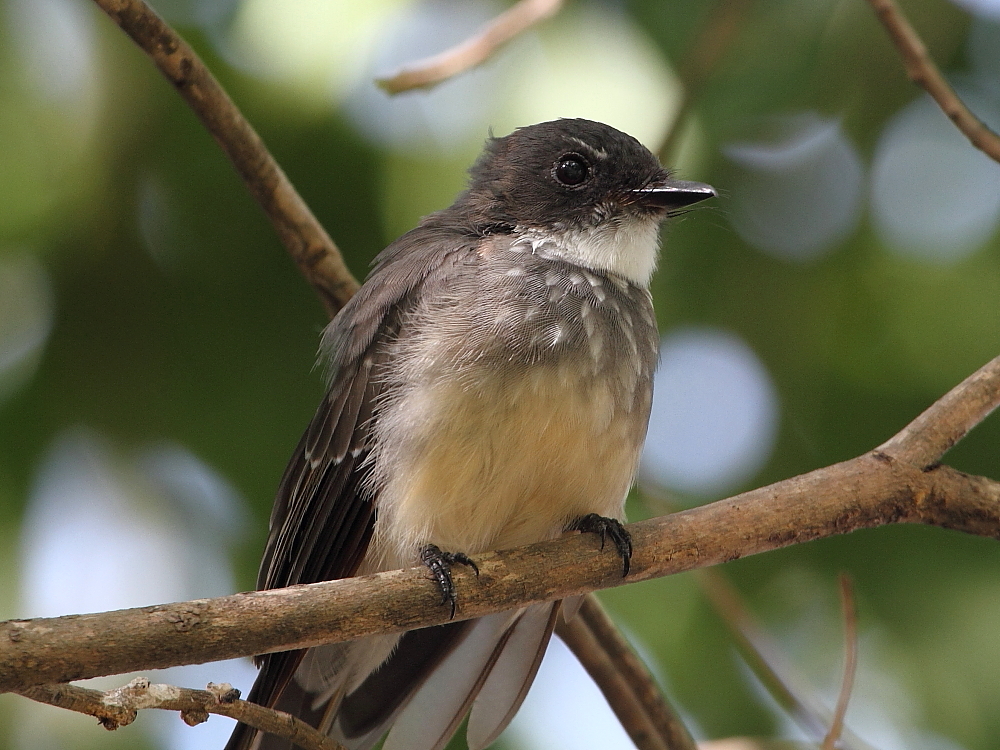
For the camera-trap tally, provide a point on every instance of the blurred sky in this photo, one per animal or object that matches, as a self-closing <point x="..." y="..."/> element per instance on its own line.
<point x="156" y="344"/>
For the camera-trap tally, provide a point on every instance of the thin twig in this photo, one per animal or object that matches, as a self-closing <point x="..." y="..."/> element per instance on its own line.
<point x="715" y="37"/>
<point x="764" y="660"/>
<point x="921" y="69"/>
<point x="850" y="662"/>
<point x="117" y="708"/>
<point x="760" y="656"/>
<point x="307" y="242"/>
<point x="474" y="51"/>
<point x="642" y="683"/>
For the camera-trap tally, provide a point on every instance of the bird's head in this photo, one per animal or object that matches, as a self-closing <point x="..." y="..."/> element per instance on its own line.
<point x="587" y="191"/>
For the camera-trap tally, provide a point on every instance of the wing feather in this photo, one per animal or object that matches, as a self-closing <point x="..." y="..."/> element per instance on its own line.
<point x="324" y="511"/>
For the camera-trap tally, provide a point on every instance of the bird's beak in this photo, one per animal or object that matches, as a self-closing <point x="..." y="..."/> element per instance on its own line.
<point x="674" y="194"/>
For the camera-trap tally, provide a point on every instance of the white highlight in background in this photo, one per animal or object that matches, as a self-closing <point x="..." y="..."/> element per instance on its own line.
<point x="989" y="9"/>
<point x="26" y="310"/>
<point x="801" y="194"/>
<point x="622" y="80"/>
<point x="934" y="196"/>
<point x="56" y="42"/>
<point x="103" y="533"/>
<point x="446" y="116"/>
<point x="715" y="413"/>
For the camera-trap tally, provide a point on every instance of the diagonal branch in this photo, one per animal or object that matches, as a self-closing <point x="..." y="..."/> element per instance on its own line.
<point x="928" y="437"/>
<point x="616" y="688"/>
<point x="879" y="489"/>
<point x="921" y="69"/>
<point x="868" y="491"/>
<point x="765" y="661"/>
<point x="665" y="722"/>
<point x="476" y="50"/>
<point x="307" y="242"/>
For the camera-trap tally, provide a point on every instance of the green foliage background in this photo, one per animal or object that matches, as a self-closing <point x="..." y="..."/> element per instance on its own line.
<point x="214" y="347"/>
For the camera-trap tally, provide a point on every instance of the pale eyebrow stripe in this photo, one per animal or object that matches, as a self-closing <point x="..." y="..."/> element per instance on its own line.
<point x="599" y="152"/>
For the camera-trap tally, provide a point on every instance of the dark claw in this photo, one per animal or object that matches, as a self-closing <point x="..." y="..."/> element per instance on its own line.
<point x="608" y="527"/>
<point x="439" y="563"/>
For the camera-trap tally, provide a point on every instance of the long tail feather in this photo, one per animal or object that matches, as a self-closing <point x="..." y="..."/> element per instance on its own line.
<point x="512" y="675"/>
<point x="436" y="710"/>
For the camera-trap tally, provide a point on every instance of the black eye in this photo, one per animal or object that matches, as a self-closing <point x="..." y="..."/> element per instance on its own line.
<point x="571" y="170"/>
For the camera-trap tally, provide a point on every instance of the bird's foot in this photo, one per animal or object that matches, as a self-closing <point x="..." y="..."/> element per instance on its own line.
<point x="607" y="527"/>
<point x="439" y="563"/>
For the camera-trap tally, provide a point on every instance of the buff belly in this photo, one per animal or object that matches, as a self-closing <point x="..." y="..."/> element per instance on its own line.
<point x="498" y="461"/>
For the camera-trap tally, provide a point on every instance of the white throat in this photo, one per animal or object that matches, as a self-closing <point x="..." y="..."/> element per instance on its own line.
<point x="627" y="247"/>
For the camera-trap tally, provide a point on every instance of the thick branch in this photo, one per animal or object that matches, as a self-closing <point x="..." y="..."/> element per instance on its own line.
<point x="472" y="52"/>
<point x="871" y="490"/>
<point x="118" y="708"/>
<point x="921" y="69"/>
<point x="928" y="437"/>
<point x="307" y="242"/>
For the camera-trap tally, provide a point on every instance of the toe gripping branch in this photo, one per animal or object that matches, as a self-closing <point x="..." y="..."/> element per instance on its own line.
<point x="608" y="528"/>
<point x="439" y="563"/>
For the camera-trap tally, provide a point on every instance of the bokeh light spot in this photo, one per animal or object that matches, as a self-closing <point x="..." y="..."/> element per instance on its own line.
<point x="715" y="414"/>
<point x="26" y="309"/>
<point x="799" y="195"/>
<point x="934" y="196"/>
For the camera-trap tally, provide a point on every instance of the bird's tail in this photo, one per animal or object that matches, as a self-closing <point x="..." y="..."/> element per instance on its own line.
<point x="488" y="668"/>
<point x="429" y="683"/>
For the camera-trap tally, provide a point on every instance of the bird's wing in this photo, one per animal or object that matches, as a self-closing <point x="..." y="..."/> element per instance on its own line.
<point x="324" y="512"/>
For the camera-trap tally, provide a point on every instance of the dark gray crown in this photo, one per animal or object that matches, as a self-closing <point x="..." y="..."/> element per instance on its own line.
<point x="515" y="180"/>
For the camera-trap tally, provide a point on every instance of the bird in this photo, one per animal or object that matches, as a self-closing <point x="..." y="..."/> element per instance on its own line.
<point x="489" y="386"/>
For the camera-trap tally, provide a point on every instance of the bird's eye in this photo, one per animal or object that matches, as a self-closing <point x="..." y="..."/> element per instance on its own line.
<point x="571" y="170"/>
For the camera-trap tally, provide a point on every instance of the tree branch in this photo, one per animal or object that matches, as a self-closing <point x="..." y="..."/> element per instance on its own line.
<point x="118" y="708"/>
<point x="871" y="490"/>
<point x="921" y="69"/>
<point x="629" y="669"/>
<point x="476" y="50"/>
<point x="613" y="684"/>
<point x="928" y="437"/>
<point x="781" y="683"/>
<point x="307" y="242"/>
